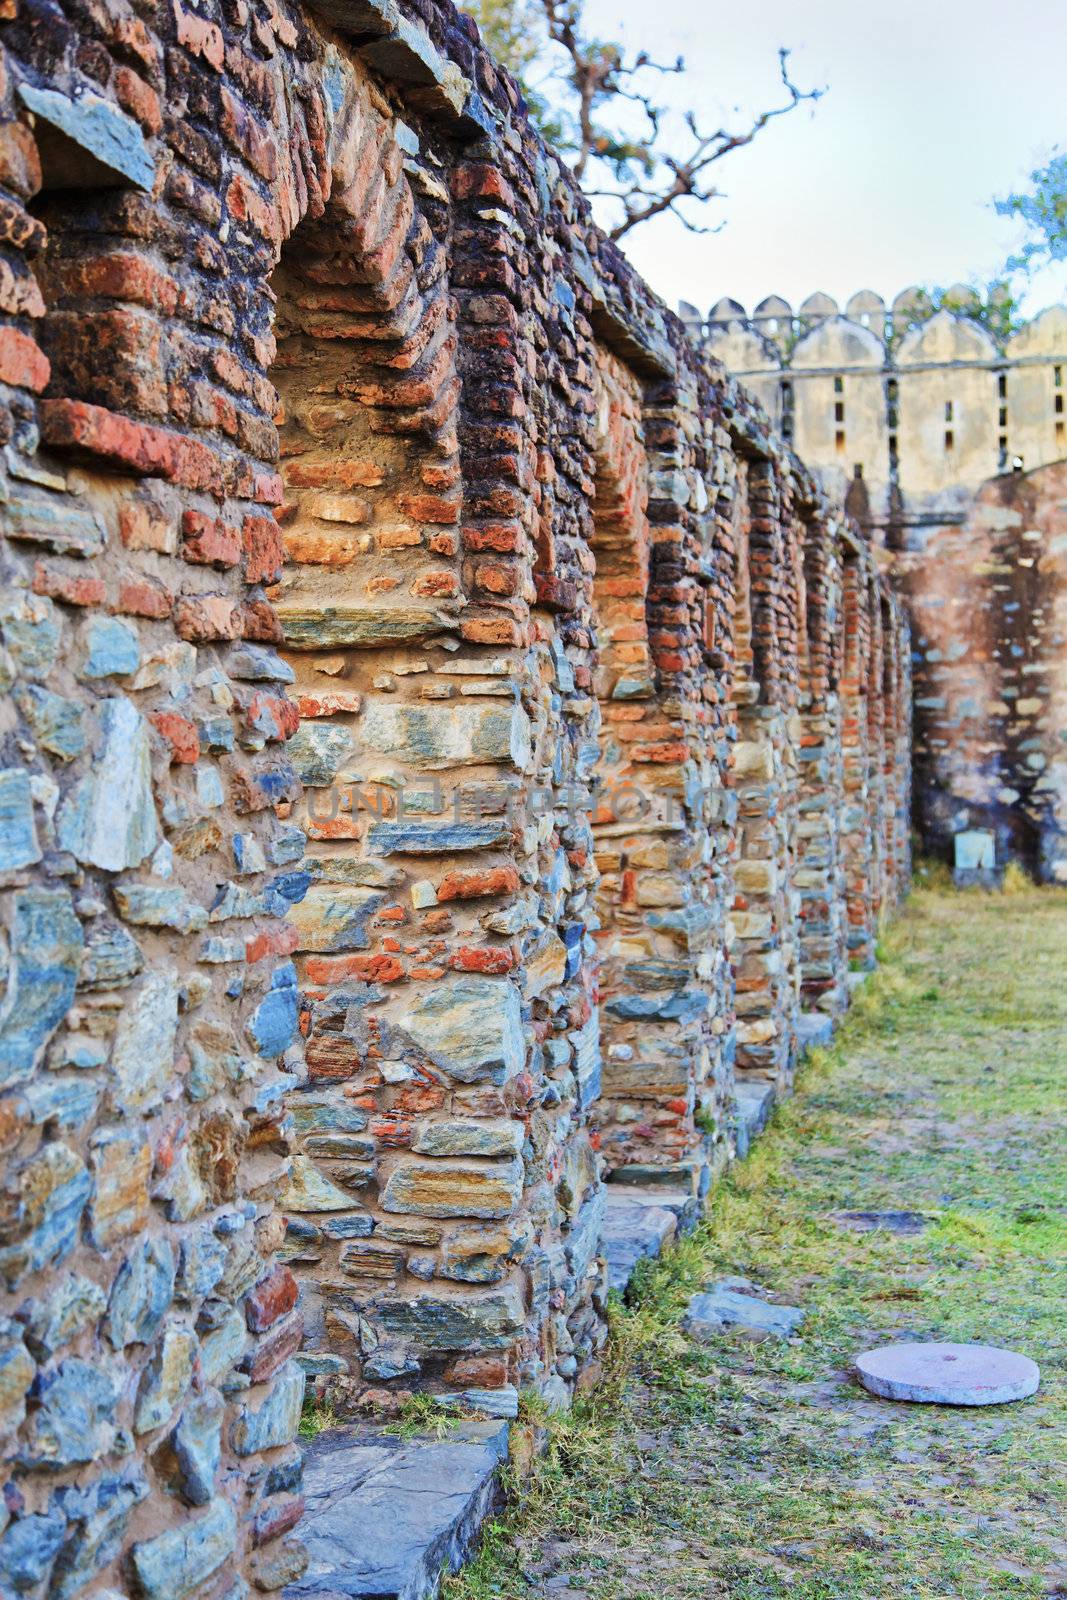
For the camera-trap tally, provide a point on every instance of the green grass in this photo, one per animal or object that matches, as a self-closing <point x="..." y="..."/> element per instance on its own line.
<point x="761" y="1471"/>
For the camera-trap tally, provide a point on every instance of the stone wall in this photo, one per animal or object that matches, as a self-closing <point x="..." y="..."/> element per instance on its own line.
<point x="445" y="732"/>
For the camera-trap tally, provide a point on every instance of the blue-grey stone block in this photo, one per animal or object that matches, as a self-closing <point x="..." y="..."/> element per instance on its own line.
<point x="273" y="1023"/>
<point x="96" y="1519"/>
<point x="97" y="126"/>
<point x="56" y="723"/>
<point x="141" y="1293"/>
<point x="429" y="839"/>
<point x="112" y="649"/>
<point x="28" y="1549"/>
<point x="18" y="832"/>
<point x="46" y="950"/>
<point x="74" y="1419"/>
<point x="178" y="1562"/>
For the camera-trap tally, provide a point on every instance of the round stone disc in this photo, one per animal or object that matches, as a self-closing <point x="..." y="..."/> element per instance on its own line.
<point x="948" y="1374"/>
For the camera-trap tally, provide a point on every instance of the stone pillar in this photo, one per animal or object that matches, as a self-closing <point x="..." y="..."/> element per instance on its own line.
<point x="855" y="736"/>
<point x="151" y="1402"/>
<point x="764" y="774"/>
<point x="820" y="874"/>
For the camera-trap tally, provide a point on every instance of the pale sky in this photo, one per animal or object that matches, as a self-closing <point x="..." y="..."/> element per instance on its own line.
<point x="932" y="108"/>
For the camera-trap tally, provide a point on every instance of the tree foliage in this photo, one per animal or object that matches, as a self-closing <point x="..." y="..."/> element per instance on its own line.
<point x="992" y="306"/>
<point x="1043" y="209"/>
<point x="598" y="104"/>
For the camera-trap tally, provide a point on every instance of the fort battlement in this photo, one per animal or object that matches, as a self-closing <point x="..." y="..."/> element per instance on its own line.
<point x="917" y="408"/>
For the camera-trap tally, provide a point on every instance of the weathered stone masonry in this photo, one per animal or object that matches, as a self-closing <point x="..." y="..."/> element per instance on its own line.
<point x="446" y="741"/>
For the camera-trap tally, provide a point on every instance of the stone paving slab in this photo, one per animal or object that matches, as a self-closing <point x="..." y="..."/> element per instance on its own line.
<point x="386" y="1516"/>
<point x="637" y="1223"/>
<point x="815" y="1030"/>
<point x="755" y="1102"/>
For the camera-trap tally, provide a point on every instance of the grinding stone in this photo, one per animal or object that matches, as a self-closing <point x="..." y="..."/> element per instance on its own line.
<point x="948" y="1374"/>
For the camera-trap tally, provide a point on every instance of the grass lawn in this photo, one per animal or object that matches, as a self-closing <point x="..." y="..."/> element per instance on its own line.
<point x="763" y="1471"/>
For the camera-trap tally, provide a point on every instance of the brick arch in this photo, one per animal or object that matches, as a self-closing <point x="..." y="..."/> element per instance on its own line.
<point x="621" y="535"/>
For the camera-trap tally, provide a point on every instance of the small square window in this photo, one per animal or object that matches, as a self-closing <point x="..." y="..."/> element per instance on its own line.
<point x="839" y="411"/>
<point x="839" y="385"/>
<point x="839" y="441"/>
<point x="950" y="439"/>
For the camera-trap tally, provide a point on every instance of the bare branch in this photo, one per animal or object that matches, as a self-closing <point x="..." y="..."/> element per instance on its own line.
<point x="650" y="178"/>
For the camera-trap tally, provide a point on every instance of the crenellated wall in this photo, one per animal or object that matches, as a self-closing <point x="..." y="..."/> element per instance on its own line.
<point x="448" y="737"/>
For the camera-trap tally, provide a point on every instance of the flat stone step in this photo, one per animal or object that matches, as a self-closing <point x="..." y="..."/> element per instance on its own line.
<point x="638" y="1223"/>
<point x="385" y="1516"/>
<point x="815" y="1030"/>
<point x="755" y="1102"/>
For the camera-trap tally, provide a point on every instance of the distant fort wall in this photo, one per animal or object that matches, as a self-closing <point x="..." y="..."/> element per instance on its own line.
<point x="901" y="413"/>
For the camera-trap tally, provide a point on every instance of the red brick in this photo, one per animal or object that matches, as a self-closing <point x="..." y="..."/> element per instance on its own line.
<point x="503" y="537"/>
<point x="430" y="507"/>
<point x="122" y="275"/>
<point x="20" y="164"/>
<point x="272" y="715"/>
<point x="471" y="885"/>
<point x="281" y="940"/>
<point x="278" y="1514"/>
<point x="138" y="446"/>
<point x="139" y="99"/>
<point x="557" y="594"/>
<point x="484" y="958"/>
<point x="490" y="630"/>
<point x="199" y="37"/>
<point x="246" y="136"/>
<point x="208" y="541"/>
<point x="247" y="206"/>
<point x="479" y="180"/>
<point x="180" y="734"/>
<point x="496" y="577"/>
<point x="74" y="589"/>
<point x="23" y="363"/>
<point x="259" y="622"/>
<point x="145" y="597"/>
<point x="368" y="968"/>
<point x="436" y="585"/>
<point x="264" y="554"/>
<point x="273" y="1296"/>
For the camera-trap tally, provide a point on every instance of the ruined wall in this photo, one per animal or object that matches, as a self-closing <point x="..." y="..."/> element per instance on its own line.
<point x="989" y="602"/>
<point x="441" y="734"/>
<point x="907" y="422"/>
